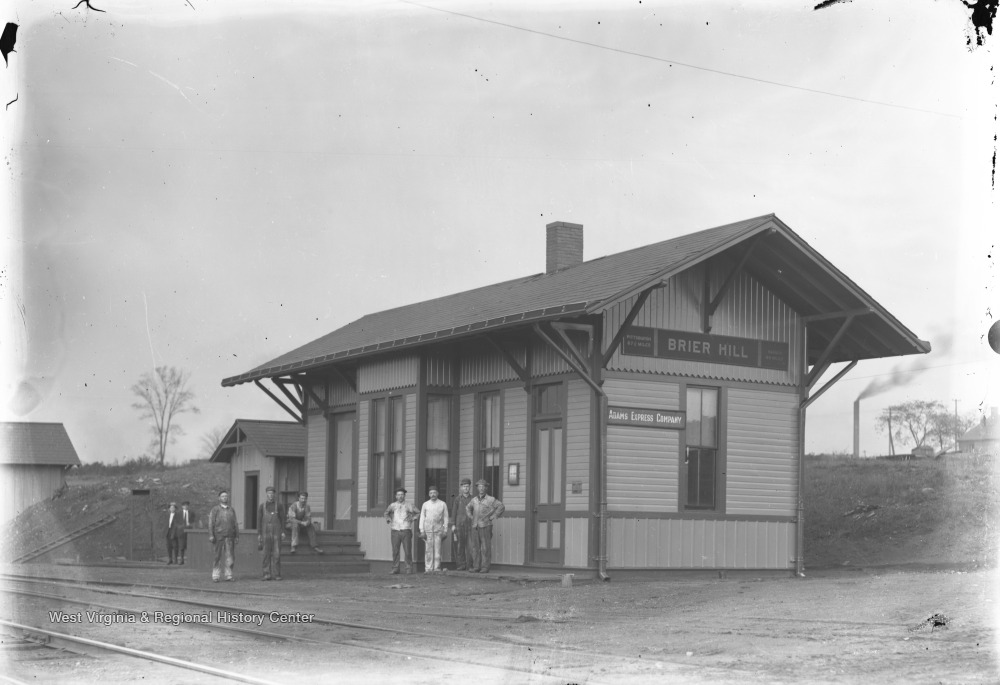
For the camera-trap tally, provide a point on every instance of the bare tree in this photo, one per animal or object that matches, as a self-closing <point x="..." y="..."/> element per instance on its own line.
<point x="911" y="420"/>
<point x="947" y="427"/>
<point x="163" y="395"/>
<point x="210" y="441"/>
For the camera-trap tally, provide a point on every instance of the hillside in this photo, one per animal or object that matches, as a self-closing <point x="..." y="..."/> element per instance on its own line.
<point x="858" y="512"/>
<point x="94" y="495"/>
<point x="864" y="512"/>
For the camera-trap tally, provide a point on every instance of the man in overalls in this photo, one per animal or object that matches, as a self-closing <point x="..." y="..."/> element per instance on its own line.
<point x="270" y="533"/>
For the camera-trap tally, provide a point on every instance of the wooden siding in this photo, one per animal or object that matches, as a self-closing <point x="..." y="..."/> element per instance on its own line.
<point x="388" y="374"/>
<point x="762" y="452"/>
<point x="515" y="446"/>
<point x="642" y="462"/>
<point x="466" y="417"/>
<point x="687" y="543"/>
<point x="374" y="537"/>
<point x="410" y="448"/>
<point x="508" y="540"/>
<point x="578" y="447"/>
<point x="317" y="434"/>
<point x="487" y="366"/>
<point x="576" y="553"/>
<point x="363" y="449"/>
<point x="546" y="362"/>
<point x="341" y="395"/>
<point x="747" y="311"/>
<point x="246" y="458"/>
<point x="27" y="484"/>
<point x="439" y="371"/>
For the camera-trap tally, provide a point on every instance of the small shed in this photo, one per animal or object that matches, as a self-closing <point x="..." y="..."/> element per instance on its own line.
<point x="34" y="458"/>
<point x="262" y="453"/>
<point x="984" y="437"/>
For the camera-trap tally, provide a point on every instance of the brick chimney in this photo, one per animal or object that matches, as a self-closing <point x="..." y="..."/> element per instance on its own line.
<point x="563" y="245"/>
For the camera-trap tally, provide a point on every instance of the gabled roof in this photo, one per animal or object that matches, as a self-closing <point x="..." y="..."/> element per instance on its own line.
<point x="45" y="444"/>
<point x="780" y="260"/>
<point x="986" y="429"/>
<point x="271" y="438"/>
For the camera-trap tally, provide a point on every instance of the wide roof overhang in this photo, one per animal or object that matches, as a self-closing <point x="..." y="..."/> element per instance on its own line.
<point x="844" y="323"/>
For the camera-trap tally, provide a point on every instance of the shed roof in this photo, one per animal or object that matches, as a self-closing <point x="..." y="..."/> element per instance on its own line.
<point x="780" y="260"/>
<point x="986" y="429"/>
<point x="272" y="438"/>
<point x="41" y="444"/>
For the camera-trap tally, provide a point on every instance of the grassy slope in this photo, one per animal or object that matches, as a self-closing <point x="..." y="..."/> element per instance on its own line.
<point x="928" y="511"/>
<point x="91" y="496"/>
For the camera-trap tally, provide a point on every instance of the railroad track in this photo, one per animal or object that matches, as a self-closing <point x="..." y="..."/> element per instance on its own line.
<point x="497" y="656"/>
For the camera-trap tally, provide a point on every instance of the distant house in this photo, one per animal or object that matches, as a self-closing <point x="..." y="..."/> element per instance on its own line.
<point x="262" y="453"/>
<point x="34" y="458"/>
<point x="983" y="437"/>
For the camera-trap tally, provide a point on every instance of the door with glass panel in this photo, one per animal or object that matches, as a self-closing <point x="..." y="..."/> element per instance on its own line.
<point x="341" y="473"/>
<point x="548" y="479"/>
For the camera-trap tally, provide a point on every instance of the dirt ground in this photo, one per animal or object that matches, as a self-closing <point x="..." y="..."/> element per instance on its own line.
<point x="837" y="626"/>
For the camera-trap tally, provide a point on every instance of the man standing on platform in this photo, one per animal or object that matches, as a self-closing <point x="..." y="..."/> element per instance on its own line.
<point x="187" y="523"/>
<point x="223" y="533"/>
<point x="270" y="533"/>
<point x="484" y="510"/>
<point x="461" y="526"/>
<point x="433" y="528"/>
<point x="173" y="533"/>
<point x="399" y="515"/>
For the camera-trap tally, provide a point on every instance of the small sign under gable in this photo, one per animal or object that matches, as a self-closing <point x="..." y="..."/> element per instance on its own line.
<point x="700" y="347"/>
<point x="647" y="418"/>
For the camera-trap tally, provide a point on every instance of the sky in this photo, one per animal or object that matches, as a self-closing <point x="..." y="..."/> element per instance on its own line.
<point x="209" y="185"/>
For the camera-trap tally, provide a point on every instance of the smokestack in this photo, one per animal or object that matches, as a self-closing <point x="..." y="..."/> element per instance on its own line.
<point x="563" y="245"/>
<point x="857" y="428"/>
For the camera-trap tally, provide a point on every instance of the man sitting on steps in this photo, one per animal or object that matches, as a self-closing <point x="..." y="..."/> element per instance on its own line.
<point x="299" y="519"/>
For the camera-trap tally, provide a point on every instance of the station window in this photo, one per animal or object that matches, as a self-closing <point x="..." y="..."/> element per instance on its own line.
<point x="489" y="441"/>
<point x="701" y="457"/>
<point x="438" y="444"/>
<point x="386" y="468"/>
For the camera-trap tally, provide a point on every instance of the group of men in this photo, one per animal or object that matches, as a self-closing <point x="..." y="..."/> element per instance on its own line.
<point x="178" y="524"/>
<point x="272" y="522"/>
<point x="470" y="524"/>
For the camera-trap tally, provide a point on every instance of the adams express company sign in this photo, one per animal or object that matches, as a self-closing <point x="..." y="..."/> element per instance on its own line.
<point x="699" y="347"/>
<point x="647" y="418"/>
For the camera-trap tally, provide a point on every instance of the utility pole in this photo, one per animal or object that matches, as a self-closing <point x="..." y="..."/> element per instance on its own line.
<point x="956" y="425"/>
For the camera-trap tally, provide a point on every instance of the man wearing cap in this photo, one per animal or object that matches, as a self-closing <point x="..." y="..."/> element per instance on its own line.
<point x="173" y="533"/>
<point x="270" y="533"/>
<point x="399" y="515"/>
<point x="300" y="517"/>
<point x="223" y="534"/>
<point x="433" y="528"/>
<point x="483" y="510"/>
<point x="187" y="523"/>
<point x="461" y="526"/>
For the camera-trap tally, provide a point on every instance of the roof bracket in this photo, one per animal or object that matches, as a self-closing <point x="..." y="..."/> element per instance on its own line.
<point x="581" y="370"/>
<point x="710" y="307"/>
<point x="829" y="384"/>
<point x="629" y="318"/>
<point x="521" y="372"/>
<point x="822" y="364"/>
<point x="298" y="417"/>
<point x="561" y="329"/>
<point x="348" y="378"/>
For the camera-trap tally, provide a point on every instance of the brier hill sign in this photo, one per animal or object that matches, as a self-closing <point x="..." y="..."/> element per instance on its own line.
<point x="699" y="347"/>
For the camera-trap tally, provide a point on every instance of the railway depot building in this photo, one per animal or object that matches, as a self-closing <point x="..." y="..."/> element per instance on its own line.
<point x="639" y="411"/>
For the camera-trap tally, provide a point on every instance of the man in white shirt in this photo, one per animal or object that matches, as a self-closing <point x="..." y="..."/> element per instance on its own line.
<point x="433" y="528"/>
<point x="399" y="515"/>
<point x="174" y="527"/>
